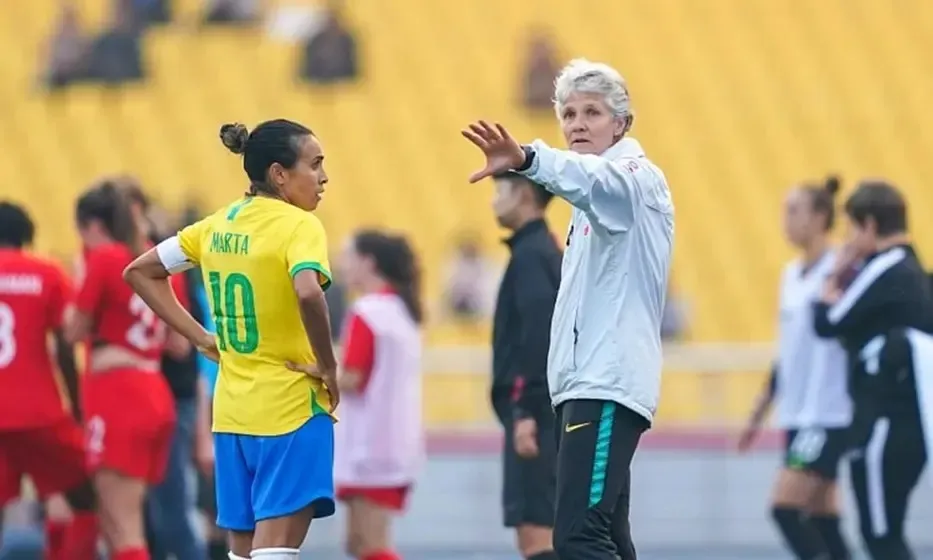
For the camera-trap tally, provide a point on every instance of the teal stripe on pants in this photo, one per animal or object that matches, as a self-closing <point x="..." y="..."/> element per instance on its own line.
<point x="601" y="456"/>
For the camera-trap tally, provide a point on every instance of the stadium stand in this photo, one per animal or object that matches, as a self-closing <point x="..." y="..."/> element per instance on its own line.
<point x="797" y="88"/>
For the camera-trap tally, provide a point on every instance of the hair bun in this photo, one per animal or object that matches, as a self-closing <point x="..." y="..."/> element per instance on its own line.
<point x="110" y="189"/>
<point x="234" y="137"/>
<point x="832" y="185"/>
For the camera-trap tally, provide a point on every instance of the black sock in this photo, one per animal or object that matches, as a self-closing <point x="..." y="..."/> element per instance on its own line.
<point x="546" y="555"/>
<point x="217" y="550"/>
<point x="828" y="527"/>
<point x="799" y="534"/>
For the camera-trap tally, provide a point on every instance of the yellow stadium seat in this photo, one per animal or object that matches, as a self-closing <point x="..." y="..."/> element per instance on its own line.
<point x="735" y="99"/>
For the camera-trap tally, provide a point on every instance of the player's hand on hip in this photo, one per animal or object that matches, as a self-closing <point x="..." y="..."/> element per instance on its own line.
<point x="526" y="438"/>
<point x="207" y="345"/>
<point x="502" y="152"/>
<point x="328" y="377"/>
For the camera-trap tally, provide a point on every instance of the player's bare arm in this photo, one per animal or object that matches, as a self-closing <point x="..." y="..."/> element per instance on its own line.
<point x="350" y="380"/>
<point x="759" y="413"/>
<point x="203" y="439"/>
<point x="316" y="320"/>
<point x="65" y="354"/>
<point x="77" y="327"/>
<point x="149" y="278"/>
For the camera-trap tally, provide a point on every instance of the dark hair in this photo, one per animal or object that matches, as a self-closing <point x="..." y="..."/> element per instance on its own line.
<point x="542" y="196"/>
<point x="396" y="262"/>
<point x="823" y="198"/>
<point x="276" y="141"/>
<point x="134" y="193"/>
<point x="16" y="227"/>
<point x="109" y="204"/>
<point x="882" y="202"/>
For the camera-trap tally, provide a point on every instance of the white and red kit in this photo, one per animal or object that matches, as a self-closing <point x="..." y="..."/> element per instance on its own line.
<point x="379" y="440"/>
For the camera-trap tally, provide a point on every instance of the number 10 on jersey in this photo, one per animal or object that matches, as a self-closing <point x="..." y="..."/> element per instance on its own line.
<point x="232" y="300"/>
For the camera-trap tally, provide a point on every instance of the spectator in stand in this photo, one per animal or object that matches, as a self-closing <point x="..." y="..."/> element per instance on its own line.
<point x="231" y="12"/>
<point x="330" y="54"/>
<point x="66" y="54"/>
<point x="540" y="70"/>
<point x="149" y="12"/>
<point x="471" y="282"/>
<point x="116" y="55"/>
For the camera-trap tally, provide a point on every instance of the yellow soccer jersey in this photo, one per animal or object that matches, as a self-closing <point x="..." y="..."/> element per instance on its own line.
<point x="249" y="252"/>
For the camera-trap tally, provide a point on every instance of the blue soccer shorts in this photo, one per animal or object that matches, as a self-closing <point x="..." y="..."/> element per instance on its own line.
<point x="264" y="477"/>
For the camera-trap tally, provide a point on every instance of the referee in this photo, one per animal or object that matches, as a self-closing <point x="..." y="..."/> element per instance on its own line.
<point x="604" y="359"/>
<point x="520" y="335"/>
<point x="883" y="319"/>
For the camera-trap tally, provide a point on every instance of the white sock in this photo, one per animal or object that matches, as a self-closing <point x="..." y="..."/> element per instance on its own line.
<point x="279" y="553"/>
<point x="233" y="556"/>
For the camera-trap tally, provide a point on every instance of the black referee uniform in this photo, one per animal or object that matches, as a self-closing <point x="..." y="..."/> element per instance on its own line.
<point x="888" y="302"/>
<point x="521" y="333"/>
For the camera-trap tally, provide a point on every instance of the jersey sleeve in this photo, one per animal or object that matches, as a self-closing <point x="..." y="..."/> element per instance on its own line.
<point x="190" y="240"/>
<point x="306" y="249"/>
<point x="60" y="295"/>
<point x="359" y="348"/>
<point x="608" y="191"/>
<point x="183" y="251"/>
<point x="94" y="284"/>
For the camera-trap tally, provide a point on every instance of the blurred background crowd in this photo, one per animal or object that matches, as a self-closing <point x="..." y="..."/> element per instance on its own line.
<point x="737" y="100"/>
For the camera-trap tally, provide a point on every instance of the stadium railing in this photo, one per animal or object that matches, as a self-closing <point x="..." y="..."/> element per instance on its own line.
<point x="706" y="387"/>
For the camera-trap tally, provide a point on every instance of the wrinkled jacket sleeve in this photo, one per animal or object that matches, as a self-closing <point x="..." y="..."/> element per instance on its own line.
<point x="605" y="190"/>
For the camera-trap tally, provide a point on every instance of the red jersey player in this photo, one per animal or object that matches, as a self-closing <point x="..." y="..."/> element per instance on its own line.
<point x="128" y="406"/>
<point x="38" y="436"/>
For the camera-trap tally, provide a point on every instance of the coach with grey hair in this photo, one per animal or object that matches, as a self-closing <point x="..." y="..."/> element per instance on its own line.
<point x="604" y="360"/>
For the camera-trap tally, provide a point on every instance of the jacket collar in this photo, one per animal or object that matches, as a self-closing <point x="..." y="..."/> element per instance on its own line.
<point x="624" y="148"/>
<point x="526" y="230"/>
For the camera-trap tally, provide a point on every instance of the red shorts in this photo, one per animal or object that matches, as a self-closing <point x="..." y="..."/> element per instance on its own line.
<point x="130" y="422"/>
<point x="392" y="498"/>
<point x="52" y="456"/>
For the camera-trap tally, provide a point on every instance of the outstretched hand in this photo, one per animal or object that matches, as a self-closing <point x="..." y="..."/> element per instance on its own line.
<point x="502" y="152"/>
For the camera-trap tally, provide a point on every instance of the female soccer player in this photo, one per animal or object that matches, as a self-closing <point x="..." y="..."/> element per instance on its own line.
<point x="128" y="406"/>
<point x="808" y="386"/>
<point x="380" y="441"/>
<point x="884" y="319"/>
<point x="38" y="437"/>
<point x="264" y="260"/>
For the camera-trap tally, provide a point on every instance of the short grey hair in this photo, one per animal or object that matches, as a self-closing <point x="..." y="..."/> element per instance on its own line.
<point x="583" y="76"/>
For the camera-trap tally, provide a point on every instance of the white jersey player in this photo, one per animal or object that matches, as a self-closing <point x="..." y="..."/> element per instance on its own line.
<point x="809" y="387"/>
<point x="379" y="440"/>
